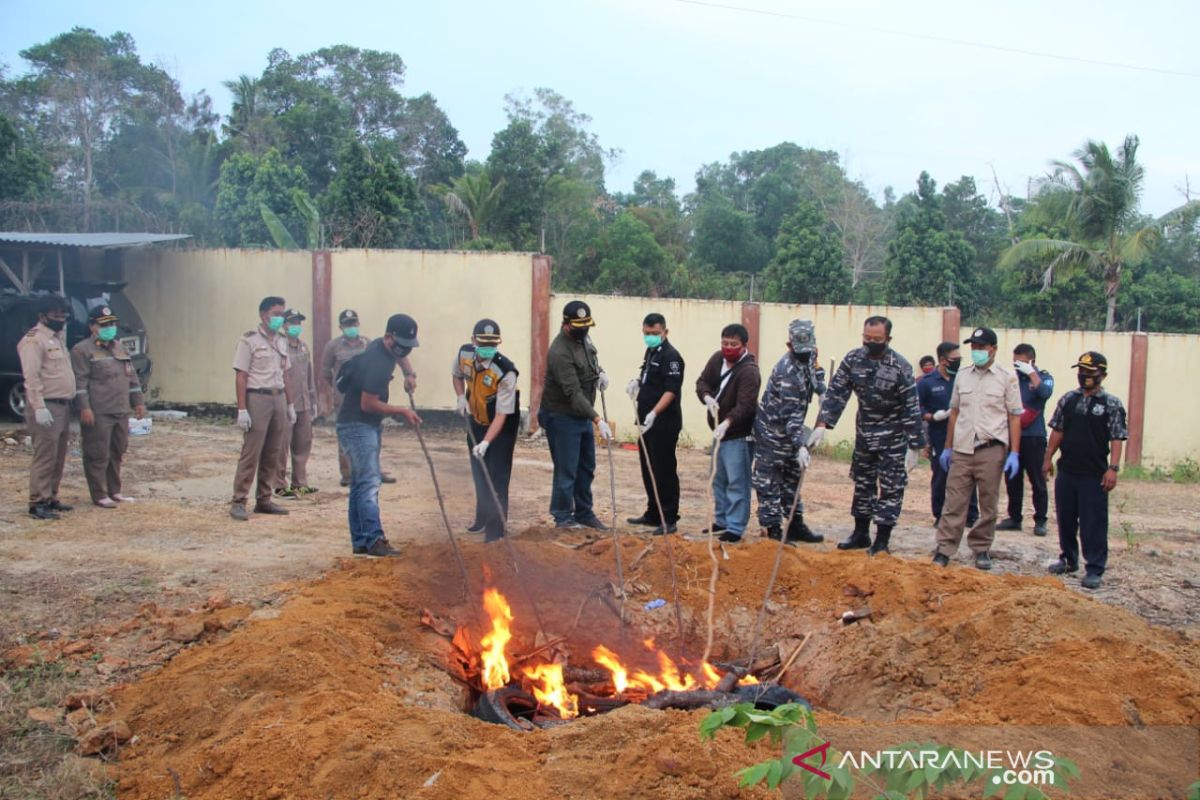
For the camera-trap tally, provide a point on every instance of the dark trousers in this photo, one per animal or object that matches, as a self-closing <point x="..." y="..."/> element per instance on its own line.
<point x="1081" y="506"/>
<point x="498" y="463"/>
<point x="1033" y="451"/>
<point x="937" y="492"/>
<point x="660" y="443"/>
<point x="573" y="451"/>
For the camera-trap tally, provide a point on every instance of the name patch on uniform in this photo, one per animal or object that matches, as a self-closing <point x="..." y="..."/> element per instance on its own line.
<point x="1099" y="410"/>
<point x="673" y="368"/>
<point x="488" y="380"/>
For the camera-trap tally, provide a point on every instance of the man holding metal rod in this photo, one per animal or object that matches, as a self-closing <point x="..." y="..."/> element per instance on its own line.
<point x="656" y="392"/>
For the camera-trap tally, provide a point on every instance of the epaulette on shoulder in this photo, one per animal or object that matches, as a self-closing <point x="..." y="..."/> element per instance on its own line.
<point x="31" y="333"/>
<point x="248" y="334"/>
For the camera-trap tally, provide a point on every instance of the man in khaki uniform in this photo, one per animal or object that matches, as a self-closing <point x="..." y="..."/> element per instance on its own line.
<point x="337" y="353"/>
<point x="302" y="388"/>
<point x="983" y="442"/>
<point x="264" y="408"/>
<point x="49" y="390"/>
<point x="107" y="390"/>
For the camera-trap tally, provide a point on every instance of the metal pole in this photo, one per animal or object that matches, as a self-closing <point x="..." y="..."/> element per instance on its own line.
<point x="612" y="482"/>
<point x="774" y="571"/>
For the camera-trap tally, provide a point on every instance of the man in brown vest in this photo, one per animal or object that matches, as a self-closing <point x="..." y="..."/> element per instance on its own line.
<point x="49" y="390"/>
<point x="107" y="390"/>
<point x="302" y="388"/>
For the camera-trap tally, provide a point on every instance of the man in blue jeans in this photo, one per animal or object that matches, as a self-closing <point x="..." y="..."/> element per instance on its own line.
<point x="728" y="387"/>
<point x="363" y="381"/>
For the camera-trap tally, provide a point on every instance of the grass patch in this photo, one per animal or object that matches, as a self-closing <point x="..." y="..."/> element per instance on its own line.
<point x="1186" y="471"/>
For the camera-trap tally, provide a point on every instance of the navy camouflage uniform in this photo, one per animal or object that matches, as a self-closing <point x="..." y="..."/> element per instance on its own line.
<point x="779" y="433"/>
<point x="888" y="424"/>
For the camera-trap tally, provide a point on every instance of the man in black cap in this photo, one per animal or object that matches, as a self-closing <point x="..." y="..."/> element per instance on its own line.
<point x="983" y="442"/>
<point x="107" y="391"/>
<point x="656" y="391"/>
<point x="485" y="382"/>
<point x="1089" y="427"/>
<point x="364" y="382"/>
<point x="567" y="414"/>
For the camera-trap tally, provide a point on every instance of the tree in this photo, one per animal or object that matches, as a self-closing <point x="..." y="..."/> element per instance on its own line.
<point x="24" y="174"/>
<point x="250" y="122"/>
<point x="371" y="202"/>
<point x="808" y="266"/>
<point x="631" y="262"/>
<point x="247" y="183"/>
<point x="725" y="238"/>
<point x="427" y="144"/>
<point x="517" y="159"/>
<point x="474" y="198"/>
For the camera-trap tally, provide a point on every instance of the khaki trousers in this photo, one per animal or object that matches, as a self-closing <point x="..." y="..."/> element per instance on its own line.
<point x="104" y="446"/>
<point x="260" y="447"/>
<point x="983" y="470"/>
<point x="298" y="442"/>
<point x="49" y="451"/>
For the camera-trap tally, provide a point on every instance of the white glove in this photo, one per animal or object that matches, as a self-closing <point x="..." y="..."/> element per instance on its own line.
<point x="291" y="414"/>
<point x="714" y="409"/>
<point x="243" y="420"/>
<point x="721" y="430"/>
<point x="632" y="387"/>
<point x="815" y="437"/>
<point x="462" y="407"/>
<point x="43" y="417"/>
<point x="648" y="422"/>
<point x="605" y="431"/>
<point x="911" y="458"/>
<point x="603" y="381"/>
<point x="803" y="459"/>
<point x="938" y="416"/>
<point x="480" y="450"/>
<point x="1023" y="367"/>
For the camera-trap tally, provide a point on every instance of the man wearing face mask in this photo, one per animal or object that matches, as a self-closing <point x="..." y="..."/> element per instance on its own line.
<point x="1036" y="387"/>
<point x="656" y="391"/>
<point x="302" y="388"/>
<point x="781" y="437"/>
<point x="485" y="381"/>
<point x="364" y="381"/>
<point x="1089" y="427"/>
<point x="888" y="433"/>
<point x="264" y="409"/>
<point x="108" y="390"/>
<point x="927" y="364"/>
<point x="49" y="390"/>
<point x="983" y="444"/>
<point x="933" y="393"/>
<point x="567" y="414"/>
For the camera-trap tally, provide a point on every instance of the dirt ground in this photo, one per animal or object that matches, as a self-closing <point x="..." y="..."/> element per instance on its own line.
<point x="258" y="660"/>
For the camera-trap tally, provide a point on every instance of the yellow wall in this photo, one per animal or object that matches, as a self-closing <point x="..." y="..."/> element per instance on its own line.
<point x="1171" y="431"/>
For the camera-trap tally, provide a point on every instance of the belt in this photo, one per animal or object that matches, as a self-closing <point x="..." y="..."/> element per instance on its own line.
<point x="54" y="400"/>
<point x="265" y="391"/>
<point x="989" y="443"/>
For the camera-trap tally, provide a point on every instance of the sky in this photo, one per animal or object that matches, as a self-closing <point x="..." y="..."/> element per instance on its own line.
<point x="992" y="90"/>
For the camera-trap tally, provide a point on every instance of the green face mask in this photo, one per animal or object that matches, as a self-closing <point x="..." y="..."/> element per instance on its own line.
<point x="107" y="333"/>
<point x="652" y="340"/>
<point x="294" y="331"/>
<point x="351" y="332"/>
<point x="275" y="323"/>
<point x="980" y="357"/>
<point x="486" y="353"/>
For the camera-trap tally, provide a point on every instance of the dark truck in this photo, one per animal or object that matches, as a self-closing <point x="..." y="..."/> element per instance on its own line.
<point x="18" y="313"/>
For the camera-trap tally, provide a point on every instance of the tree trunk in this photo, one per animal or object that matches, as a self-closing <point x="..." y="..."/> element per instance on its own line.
<point x="1112" y="281"/>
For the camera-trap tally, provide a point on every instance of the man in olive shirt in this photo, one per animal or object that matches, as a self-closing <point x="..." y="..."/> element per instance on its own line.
<point x="567" y="413"/>
<point x="108" y="389"/>
<point x="302" y="387"/>
<point x="49" y="390"/>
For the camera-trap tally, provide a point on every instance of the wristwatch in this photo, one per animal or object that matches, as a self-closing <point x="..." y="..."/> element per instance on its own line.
<point x="1115" y="467"/>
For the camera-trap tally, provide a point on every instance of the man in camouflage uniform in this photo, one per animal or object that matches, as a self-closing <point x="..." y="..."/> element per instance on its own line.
<point x="888" y="431"/>
<point x="780" y="435"/>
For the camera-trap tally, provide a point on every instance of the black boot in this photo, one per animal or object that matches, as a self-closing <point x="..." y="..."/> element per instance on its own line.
<point x="861" y="537"/>
<point x="774" y="532"/>
<point x="799" y="532"/>
<point x="883" y="533"/>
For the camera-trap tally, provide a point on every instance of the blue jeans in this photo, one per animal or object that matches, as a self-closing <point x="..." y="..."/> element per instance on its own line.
<point x="361" y="444"/>
<point x="731" y="488"/>
<point x="573" y="450"/>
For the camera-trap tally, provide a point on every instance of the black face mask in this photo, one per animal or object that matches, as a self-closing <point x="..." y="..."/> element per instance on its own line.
<point x="1089" y="381"/>
<point x="875" y="348"/>
<point x="803" y="357"/>
<point x="579" y="334"/>
<point x="399" y="351"/>
<point x="56" y="325"/>
<point x="953" y="365"/>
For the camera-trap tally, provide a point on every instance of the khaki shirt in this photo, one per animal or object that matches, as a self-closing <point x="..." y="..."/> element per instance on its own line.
<point x="300" y="384"/>
<point x="337" y="353"/>
<point x="985" y="399"/>
<point x="105" y="378"/>
<point x="46" y="366"/>
<point x="263" y="356"/>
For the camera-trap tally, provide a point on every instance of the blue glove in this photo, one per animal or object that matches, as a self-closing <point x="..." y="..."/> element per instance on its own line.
<point x="944" y="460"/>
<point x="1012" y="465"/>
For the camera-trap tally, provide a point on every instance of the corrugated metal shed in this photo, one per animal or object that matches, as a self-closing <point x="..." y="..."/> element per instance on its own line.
<point x="103" y="240"/>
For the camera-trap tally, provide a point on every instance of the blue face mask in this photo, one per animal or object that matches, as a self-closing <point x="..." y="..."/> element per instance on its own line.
<point x="980" y="357"/>
<point x="351" y="332"/>
<point x="107" y="333"/>
<point x="652" y="340"/>
<point x="275" y="323"/>
<point x="294" y="331"/>
<point x="486" y="353"/>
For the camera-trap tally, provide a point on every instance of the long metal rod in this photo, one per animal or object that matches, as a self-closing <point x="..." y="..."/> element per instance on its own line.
<point x="612" y="482"/>
<point x="762" y="610"/>
<point x="462" y="565"/>
<point x="712" y="554"/>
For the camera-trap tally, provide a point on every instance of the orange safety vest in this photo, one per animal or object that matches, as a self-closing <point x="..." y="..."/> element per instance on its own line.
<point x="484" y="384"/>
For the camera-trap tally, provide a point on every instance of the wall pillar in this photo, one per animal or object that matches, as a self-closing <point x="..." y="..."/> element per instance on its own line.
<point x="1139" y="348"/>
<point x="322" y="314"/>
<point x="751" y="312"/>
<point x="951" y="322"/>
<point x="539" y="330"/>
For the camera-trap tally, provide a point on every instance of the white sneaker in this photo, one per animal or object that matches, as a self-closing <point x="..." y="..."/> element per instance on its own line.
<point x="106" y="502"/>
<point x="120" y="498"/>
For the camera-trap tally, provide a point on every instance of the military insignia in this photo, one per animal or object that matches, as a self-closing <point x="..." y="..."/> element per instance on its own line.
<point x="488" y="380"/>
<point x="106" y="311"/>
<point x="488" y="329"/>
<point x="581" y="313"/>
<point x="1099" y="410"/>
<point x="978" y="332"/>
<point x="673" y="367"/>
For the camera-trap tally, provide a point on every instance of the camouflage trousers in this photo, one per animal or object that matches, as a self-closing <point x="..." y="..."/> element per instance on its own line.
<point x="877" y="468"/>
<point x="776" y="480"/>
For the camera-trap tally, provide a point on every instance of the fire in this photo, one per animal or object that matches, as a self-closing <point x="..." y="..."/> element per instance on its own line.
<point x="608" y="659"/>
<point x="554" y="691"/>
<point x="495" y="665"/>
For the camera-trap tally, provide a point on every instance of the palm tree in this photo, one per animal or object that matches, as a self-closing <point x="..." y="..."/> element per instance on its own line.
<point x="1100" y="200"/>
<point x="474" y="198"/>
<point x="248" y="116"/>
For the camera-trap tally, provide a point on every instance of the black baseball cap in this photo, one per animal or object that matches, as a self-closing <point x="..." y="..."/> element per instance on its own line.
<point x="578" y="314"/>
<point x="102" y="315"/>
<point x="1091" y="360"/>
<point x="348" y="317"/>
<point x="403" y="329"/>
<point x="487" y="331"/>
<point x="983" y="336"/>
<point x="293" y="314"/>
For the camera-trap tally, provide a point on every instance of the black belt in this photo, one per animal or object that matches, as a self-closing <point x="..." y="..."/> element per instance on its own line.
<point x="54" y="400"/>
<point x="265" y="391"/>
<point x="989" y="443"/>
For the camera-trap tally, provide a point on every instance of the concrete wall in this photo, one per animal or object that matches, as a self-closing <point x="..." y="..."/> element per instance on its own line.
<point x="1171" y="430"/>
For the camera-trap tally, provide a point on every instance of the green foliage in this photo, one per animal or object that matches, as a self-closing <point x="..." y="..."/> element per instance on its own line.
<point x="726" y="239"/>
<point x="808" y="266"/>
<point x="248" y="183"/>
<point x="24" y="174"/>
<point x="373" y="203"/>
<point x="1193" y="791"/>
<point x="631" y="262"/>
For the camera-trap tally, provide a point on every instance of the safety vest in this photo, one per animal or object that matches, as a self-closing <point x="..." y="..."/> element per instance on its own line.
<point x="484" y="384"/>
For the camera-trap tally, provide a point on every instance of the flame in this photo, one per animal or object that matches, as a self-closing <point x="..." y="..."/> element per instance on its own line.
<point x="711" y="676"/>
<point x="554" y="691"/>
<point x="747" y="680"/>
<point x="608" y="659"/>
<point x="669" y="671"/>
<point x="495" y="665"/>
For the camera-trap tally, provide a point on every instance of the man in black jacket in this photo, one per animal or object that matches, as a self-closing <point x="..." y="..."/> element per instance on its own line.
<point x="656" y="391"/>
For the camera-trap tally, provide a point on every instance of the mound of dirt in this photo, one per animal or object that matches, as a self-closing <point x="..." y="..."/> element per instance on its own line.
<point x="344" y="694"/>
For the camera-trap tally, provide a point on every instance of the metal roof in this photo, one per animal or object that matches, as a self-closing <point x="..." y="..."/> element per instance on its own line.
<point x="88" y="239"/>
